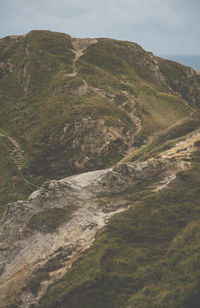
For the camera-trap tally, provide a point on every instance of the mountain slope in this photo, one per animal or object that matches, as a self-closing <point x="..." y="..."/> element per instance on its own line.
<point x="132" y="256"/>
<point x="93" y="128"/>
<point x="75" y="105"/>
<point x="139" y="260"/>
<point x="146" y="257"/>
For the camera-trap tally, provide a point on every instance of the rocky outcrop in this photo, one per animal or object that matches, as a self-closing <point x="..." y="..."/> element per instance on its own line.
<point x="77" y="105"/>
<point x="59" y="221"/>
<point x="81" y="104"/>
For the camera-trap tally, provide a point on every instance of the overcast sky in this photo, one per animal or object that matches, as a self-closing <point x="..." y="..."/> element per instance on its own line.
<point x="161" y="26"/>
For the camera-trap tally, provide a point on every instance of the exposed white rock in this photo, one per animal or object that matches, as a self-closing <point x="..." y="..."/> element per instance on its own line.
<point x="24" y="249"/>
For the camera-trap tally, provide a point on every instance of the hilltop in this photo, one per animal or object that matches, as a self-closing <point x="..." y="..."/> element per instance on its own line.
<point x="102" y="140"/>
<point x="76" y="105"/>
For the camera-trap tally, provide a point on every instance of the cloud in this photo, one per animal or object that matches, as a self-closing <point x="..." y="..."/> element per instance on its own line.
<point x="163" y="26"/>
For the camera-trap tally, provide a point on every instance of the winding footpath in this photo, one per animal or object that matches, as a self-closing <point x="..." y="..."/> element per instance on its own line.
<point x="79" y="48"/>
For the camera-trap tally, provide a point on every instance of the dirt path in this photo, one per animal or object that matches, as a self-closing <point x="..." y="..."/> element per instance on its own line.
<point x="133" y="113"/>
<point x="132" y="102"/>
<point x="17" y="156"/>
<point x="79" y="48"/>
<point x="182" y="149"/>
<point x="180" y="152"/>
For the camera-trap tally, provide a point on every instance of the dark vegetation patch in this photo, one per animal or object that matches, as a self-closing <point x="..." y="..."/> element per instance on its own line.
<point x="54" y="263"/>
<point x="43" y="273"/>
<point x="197" y="143"/>
<point x="50" y="220"/>
<point x="35" y="283"/>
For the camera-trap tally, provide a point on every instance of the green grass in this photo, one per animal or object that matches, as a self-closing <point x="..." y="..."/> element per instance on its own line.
<point x="166" y="140"/>
<point x="38" y="102"/>
<point x="182" y="80"/>
<point x="37" y="118"/>
<point x="42" y="274"/>
<point x="147" y="256"/>
<point x="13" y="184"/>
<point x="157" y="109"/>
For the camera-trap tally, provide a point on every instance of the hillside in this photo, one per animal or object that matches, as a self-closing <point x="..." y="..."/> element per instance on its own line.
<point x="75" y="105"/>
<point x="104" y="139"/>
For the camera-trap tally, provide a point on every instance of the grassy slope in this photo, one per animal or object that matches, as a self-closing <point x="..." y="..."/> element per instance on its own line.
<point x="13" y="185"/>
<point x="165" y="140"/>
<point x="37" y="102"/>
<point x="157" y="108"/>
<point x="183" y="80"/>
<point x="22" y="112"/>
<point x="147" y="256"/>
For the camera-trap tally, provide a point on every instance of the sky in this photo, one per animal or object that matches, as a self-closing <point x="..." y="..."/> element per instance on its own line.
<point x="165" y="27"/>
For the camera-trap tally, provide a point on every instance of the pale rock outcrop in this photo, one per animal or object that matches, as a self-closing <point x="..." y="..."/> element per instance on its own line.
<point x="24" y="248"/>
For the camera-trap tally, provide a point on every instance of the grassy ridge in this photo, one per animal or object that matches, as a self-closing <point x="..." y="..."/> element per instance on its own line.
<point x="147" y="256"/>
<point x="157" y="108"/>
<point x="166" y="140"/>
<point x="63" y="132"/>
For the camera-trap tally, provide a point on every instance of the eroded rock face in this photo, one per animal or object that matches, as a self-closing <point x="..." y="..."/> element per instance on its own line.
<point x="60" y="220"/>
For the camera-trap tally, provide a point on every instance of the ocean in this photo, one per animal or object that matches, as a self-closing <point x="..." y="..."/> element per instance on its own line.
<point x="189" y="60"/>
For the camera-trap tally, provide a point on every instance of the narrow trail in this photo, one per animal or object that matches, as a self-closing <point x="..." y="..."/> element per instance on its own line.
<point x="182" y="153"/>
<point x="17" y="156"/>
<point x="79" y="48"/>
<point x="133" y="113"/>
<point x="132" y="102"/>
<point x="183" y="149"/>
